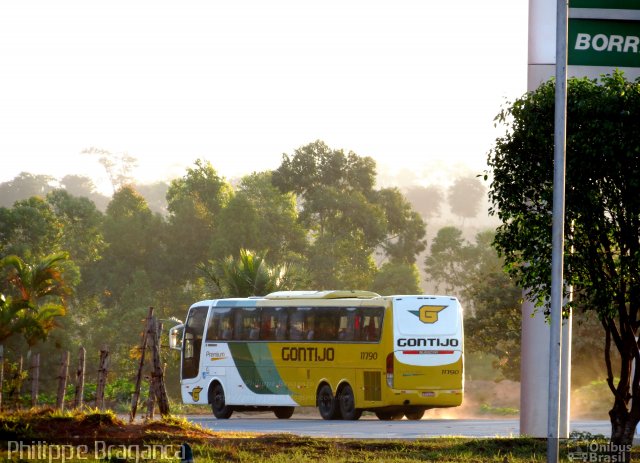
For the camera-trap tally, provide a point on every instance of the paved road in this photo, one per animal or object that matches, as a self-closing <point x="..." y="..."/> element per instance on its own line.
<point x="372" y="428"/>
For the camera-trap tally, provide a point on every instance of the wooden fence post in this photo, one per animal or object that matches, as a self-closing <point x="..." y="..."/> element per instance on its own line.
<point x="16" y="385"/>
<point x="157" y="374"/>
<point x="102" y="377"/>
<point x="62" y="380"/>
<point x="35" y="378"/>
<point x="78" y="400"/>
<point x="145" y="339"/>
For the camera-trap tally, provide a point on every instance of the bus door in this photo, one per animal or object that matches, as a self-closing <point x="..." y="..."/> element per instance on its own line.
<point x="191" y="354"/>
<point x="427" y="343"/>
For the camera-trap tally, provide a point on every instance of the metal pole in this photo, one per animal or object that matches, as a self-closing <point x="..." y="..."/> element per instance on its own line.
<point x="555" y="341"/>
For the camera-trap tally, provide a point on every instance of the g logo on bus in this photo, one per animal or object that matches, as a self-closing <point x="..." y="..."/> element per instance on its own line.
<point x="428" y="313"/>
<point x="195" y="394"/>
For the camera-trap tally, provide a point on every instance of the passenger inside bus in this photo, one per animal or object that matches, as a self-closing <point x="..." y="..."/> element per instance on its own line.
<point x="255" y="331"/>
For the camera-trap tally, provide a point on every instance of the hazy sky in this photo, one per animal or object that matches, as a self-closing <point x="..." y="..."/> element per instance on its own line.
<point x="410" y="83"/>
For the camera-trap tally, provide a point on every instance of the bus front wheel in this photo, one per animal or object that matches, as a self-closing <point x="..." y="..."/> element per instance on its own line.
<point x="347" y="403"/>
<point x="218" y="405"/>
<point x="283" y="413"/>
<point x="327" y="403"/>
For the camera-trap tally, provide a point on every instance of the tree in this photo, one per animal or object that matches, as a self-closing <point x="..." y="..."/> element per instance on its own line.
<point x="195" y="202"/>
<point x="23" y="186"/>
<point x="446" y="262"/>
<point x="397" y="278"/>
<point x="29" y="228"/>
<point x="465" y="196"/>
<point x="602" y="220"/>
<point x="405" y="228"/>
<point x="347" y="218"/>
<point x="132" y="236"/>
<point x="258" y="216"/>
<point x="33" y="296"/>
<point x="81" y="224"/>
<point x="427" y="201"/>
<point x="249" y="275"/>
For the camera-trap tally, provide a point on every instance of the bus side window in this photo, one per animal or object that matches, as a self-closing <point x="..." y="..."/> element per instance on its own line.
<point x="274" y="324"/>
<point x="346" y="324"/>
<point x="297" y="325"/>
<point x="281" y="319"/>
<point x="219" y="325"/>
<point x="370" y="321"/>
<point x="247" y="324"/>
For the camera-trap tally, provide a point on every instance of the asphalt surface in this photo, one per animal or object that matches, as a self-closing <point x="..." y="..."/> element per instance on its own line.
<point x="372" y="428"/>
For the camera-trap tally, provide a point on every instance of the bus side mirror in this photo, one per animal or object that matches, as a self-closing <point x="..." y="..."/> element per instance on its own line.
<point x="175" y="338"/>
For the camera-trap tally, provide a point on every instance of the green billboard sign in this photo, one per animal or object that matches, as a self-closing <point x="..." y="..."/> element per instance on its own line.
<point x="608" y="4"/>
<point x="601" y="42"/>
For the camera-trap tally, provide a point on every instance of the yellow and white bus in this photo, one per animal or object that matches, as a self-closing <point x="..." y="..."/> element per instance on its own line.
<point x="341" y="351"/>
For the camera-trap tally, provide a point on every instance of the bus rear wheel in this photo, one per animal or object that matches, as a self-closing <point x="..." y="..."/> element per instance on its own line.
<point x="327" y="403"/>
<point x="389" y="416"/>
<point x="283" y="413"/>
<point x="415" y="413"/>
<point x="347" y="403"/>
<point x="218" y="405"/>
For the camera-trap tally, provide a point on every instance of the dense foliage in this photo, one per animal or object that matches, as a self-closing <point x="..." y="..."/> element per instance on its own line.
<point x="602" y="222"/>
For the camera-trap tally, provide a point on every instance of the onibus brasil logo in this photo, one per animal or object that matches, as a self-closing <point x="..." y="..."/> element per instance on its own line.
<point x="429" y="313"/>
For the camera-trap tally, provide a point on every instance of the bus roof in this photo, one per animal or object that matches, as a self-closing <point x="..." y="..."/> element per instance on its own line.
<point x="333" y="294"/>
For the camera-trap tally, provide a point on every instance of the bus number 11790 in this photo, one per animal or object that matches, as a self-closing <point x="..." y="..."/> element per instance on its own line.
<point x="368" y="355"/>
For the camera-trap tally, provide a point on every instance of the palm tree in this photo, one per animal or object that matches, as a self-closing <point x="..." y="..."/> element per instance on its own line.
<point x="250" y="275"/>
<point x="36" y="296"/>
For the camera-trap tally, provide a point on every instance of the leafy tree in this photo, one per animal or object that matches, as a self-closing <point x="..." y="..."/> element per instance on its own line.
<point x="195" y="202"/>
<point x="132" y="235"/>
<point x="602" y="214"/>
<point x="81" y="224"/>
<point x="346" y="217"/>
<point x="258" y="216"/>
<point x="405" y="228"/>
<point x="397" y="278"/>
<point x="446" y="263"/>
<point x="465" y="197"/>
<point x="427" y="201"/>
<point x="29" y="228"/>
<point x="23" y="186"/>
<point x="249" y="275"/>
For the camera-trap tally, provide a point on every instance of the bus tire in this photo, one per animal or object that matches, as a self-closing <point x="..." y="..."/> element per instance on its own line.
<point x="218" y="405"/>
<point x="389" y="416"/>
<point x="327" y="403"/>
<point x="347" y="404"/>
<point x="283" y="413"/>
<point x="415" y="413"/>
